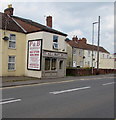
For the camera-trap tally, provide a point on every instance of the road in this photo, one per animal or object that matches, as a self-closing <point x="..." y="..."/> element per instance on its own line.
<point x="91" y="97"/>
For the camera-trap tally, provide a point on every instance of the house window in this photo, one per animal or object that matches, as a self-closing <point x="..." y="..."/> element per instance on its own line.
<point x="107" y="56"/>
<point x="74" y="51"/>
<point x="88" y="63"/>
<point x="81" y="63"/>
<point x="88" y="53"/>
<point x="55" y="42"/>
<point x="80" y="52"/>
<point x="11" y="63"/>
<point x="103" y="55"/>
<point x="55" y="38"/>
<point x="61" y="64"/>
<point x="12" y="41"/>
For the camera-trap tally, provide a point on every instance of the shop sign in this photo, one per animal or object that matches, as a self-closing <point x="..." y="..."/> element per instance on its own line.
<point x="34" y="54"/>
<point x="54" y="54"/>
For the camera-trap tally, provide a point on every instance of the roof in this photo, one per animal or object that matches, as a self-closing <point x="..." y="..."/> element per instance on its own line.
<point x="26" y="26"/>
<point x="86" y="46"/>
<point x="9" y="24"/>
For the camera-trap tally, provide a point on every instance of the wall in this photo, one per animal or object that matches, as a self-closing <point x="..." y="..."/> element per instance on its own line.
<point x="106" y="63"/>
<point x="1" y="53"/>
<point x="83" y="72"/>
<point x="48" y="42"/>
<point x="19" y="52"/>
<point x="69" y="55"/>
<point x="32" y="36"/>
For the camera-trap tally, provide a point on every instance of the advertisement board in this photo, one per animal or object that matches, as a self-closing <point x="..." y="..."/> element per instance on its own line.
<point x="34" y="54"/>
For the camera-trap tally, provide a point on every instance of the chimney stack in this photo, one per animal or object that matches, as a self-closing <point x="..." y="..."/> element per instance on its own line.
<point x="49" y="21"/>
<point x="9" y="10"/>
<point x="83" y="41"/>
<point x="75" y="38"/>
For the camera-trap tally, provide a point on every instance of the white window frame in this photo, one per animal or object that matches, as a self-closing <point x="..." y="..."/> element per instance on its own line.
<point x="12" y="62"/>
<point x="89" y="53"/>
<point x="54" y="42"/>
<point x="12" y="41"/>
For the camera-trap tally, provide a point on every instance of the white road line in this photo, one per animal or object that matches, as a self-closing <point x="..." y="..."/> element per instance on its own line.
<point x="108" y="83"/>
<point x="69" y="90"/>
<point x="11" y="101"/>
<point x="6" y="99"/>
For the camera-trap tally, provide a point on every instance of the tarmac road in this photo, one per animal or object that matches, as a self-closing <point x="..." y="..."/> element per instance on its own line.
<point x="88" y="97"/>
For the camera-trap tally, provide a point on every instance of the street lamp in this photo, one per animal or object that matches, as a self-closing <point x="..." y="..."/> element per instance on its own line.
<point x="93" y="42"/>
<point x="98" y="45"/>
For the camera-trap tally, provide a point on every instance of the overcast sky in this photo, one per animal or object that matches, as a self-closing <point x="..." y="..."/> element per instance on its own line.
<point x="72" y="18"/>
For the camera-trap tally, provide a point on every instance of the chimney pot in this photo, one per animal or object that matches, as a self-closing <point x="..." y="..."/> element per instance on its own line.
<point x="9" y="10"/>
<point x="49" y="21"/>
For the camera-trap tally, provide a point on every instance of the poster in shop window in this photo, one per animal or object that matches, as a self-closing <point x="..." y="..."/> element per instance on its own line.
<point x="34" y="54"/>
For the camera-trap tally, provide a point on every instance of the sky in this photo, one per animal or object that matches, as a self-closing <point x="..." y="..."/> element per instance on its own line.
<point x="73" y="18"/>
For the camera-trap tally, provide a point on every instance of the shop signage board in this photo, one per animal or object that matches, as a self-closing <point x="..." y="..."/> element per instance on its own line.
<point x="34" y="54"/>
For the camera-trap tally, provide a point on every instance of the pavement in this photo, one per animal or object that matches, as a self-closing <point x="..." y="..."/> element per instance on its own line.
<point x="18" y="81"/>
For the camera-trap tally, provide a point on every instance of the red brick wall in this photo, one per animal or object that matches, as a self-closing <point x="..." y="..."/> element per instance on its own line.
<point x="82" y="72"/>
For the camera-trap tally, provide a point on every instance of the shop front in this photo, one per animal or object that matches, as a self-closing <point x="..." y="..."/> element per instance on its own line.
<point x="53" y="64"/>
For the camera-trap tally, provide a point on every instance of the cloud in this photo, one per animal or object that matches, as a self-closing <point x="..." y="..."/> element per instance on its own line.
<point x="77" y="33"/>
<point x="73" y="18"/>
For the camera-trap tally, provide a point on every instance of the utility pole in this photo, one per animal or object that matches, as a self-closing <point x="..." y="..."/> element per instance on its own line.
<point x="93" y="43"/>
<point x="98" y="45"/>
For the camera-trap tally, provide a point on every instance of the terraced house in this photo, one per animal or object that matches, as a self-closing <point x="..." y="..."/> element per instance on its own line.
<point x="28" y="48"/>
<point x="80" y="55"/>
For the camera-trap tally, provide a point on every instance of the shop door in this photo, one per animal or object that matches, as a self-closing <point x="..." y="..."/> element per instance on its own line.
<point x="61" y="72"/>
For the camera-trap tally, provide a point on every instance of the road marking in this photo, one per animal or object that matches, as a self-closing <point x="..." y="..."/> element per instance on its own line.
<point x="6" y="99"/>
<point x="47" y="83"/>
<point x="10" y="101"/>
<point x="108" y="83"/>
<point x="69" y="90"/>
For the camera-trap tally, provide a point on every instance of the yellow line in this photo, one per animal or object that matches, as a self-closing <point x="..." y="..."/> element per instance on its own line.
<point x="38" y="84"/>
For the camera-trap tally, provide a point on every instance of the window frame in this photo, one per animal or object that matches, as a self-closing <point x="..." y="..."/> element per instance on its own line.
<point x="51" y="60"/>
<point x="12" y="63"/>
<point x="11" y="41"/>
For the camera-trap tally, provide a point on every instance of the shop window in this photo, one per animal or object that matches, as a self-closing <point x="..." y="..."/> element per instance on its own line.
<point x="12" y="41"/>
<point x="50" y="64"/>
<point x="11" y="63"/>
<point x="61" y="64"/>
<point x="53" y="65"/>
<point x="47" y="63"/>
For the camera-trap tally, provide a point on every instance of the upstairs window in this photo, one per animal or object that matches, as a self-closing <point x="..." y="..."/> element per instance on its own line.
<point x="89" y="53"/>
<point x="55" y="42"/>
<point x="55" y="39"/>
<point x="12" y="41"/>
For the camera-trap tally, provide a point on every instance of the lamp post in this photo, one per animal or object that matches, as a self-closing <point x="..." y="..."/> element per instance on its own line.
<point x="98" y="44"/>
<point x="93" y="42"/>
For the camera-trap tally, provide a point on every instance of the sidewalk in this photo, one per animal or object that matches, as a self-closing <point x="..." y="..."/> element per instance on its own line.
<point x="18" y="81"/>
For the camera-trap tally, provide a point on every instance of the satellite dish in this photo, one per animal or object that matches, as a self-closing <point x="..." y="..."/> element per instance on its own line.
<point x="5" y="38"/>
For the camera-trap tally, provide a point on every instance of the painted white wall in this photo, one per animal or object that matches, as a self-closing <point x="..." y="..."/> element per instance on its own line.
<point x="48" y="42"/>
<point x="32" y="36"/>
<point x="106" y="63"/>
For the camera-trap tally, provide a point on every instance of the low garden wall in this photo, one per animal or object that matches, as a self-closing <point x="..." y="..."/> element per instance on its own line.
<point x="82" y="72"/>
